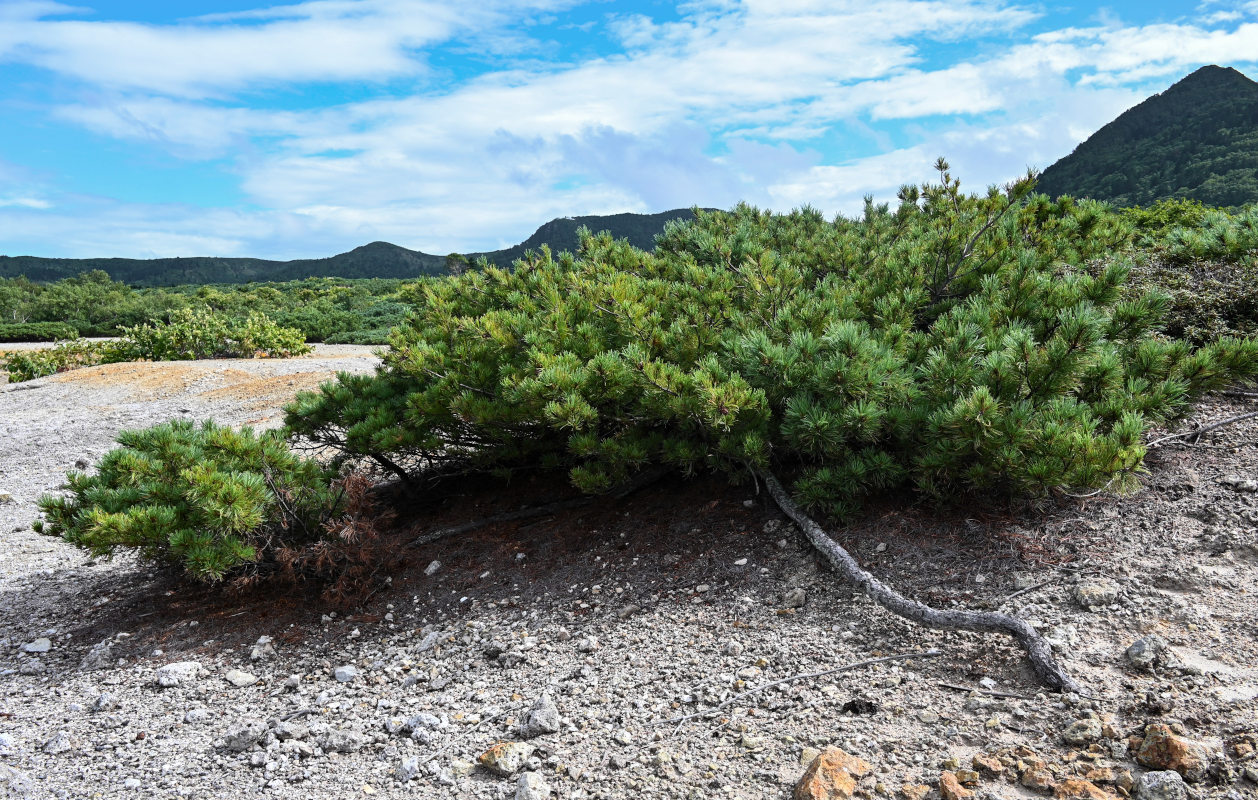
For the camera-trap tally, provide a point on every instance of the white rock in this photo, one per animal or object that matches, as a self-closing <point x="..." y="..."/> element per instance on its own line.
<point x="432" y="568"/>
<point x="179" y="673"/>
<point x="240" y="678"/>
<point x="262" y="649"/>
<point x="345" y="674"/>
<point x="532" y="786"/>
<point x="38" y="646"/>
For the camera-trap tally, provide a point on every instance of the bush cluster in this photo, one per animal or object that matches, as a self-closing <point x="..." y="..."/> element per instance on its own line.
<point x="206" y="498"/>
<point x="957" y="343"/>
<point x="36" y="332"/>
<point x="190" y="334"/>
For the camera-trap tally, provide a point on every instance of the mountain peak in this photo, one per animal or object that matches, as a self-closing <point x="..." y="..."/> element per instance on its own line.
<point x="1197" y="140"/>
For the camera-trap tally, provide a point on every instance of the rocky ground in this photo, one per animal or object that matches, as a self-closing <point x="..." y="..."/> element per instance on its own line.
<point x="557" y="657"/>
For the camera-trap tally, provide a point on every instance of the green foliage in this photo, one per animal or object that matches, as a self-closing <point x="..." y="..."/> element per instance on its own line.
<point x="205" y="498"/>
<point x="36" y="332"/>
<point x="30" y="364"/>
<point x="190" y="334"/>
<point x="1198" y="140"/>
<point x="958" y="343"/>
<point x="198" y="333"/>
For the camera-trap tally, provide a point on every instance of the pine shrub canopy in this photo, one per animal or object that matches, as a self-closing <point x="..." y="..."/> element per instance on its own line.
<point x="205" y="497"/>
<point x="957" y="343"/>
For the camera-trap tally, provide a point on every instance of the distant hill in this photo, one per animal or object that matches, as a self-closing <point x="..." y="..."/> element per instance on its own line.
<point x="1198" y="140"/>
<point x="375" y="260"/>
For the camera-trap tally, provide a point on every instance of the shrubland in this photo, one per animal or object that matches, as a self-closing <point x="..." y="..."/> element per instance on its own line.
<point x="189" y="334"/>
<point x="954" y="346"/>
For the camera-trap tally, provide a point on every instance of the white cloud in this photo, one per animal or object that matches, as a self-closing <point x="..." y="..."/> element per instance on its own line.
<point x="729" y="103"/>
<point x="25" y="202"/>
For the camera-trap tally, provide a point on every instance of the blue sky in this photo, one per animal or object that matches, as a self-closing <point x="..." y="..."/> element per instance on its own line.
<point x="234" y="127"/>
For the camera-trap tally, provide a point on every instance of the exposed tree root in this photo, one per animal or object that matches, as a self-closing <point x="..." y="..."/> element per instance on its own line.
<point x="1038" y="650"/>
<point x="1195" y="435"/>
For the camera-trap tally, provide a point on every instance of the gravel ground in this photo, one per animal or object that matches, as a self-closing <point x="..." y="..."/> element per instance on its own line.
<point x="115" y="681"/>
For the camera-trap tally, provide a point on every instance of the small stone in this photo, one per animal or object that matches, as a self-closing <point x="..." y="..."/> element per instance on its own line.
<point x="532" y="786"/>
<point x="131" y="783"/>
<point x="101" y="656"/>
<point x="832" y="775"/>
<point x="290" y="730"/>
<point x="239" y="678"/>
<point x="742" y="562"/>
<point x="58" y="744"/>
<point x="1164" y="785"/>
<point x="505" y="758"/>
<point x="749" y="742"/>
<point x="262" y="649"/>
<point x="31" y="666"/>
<point x="409" y="769"/>
<point x="1038" y="778"/>
<point x="541" y="719"/>
<point x="5" y="497"/>
<point x="951" y="789"/>
<point x="928" y="717"/>
<point x="917" y="791"/>
<point x="432" y="568"/>
<point x="808" y="755"/>
<point x="244" y="734"/>
<point x="587" y="645"/>
<point x="38" y="646"/>
<point x="7" y="745"/>
<point x="345" y="674"/>
<point x="967" y="777"/>
<point x="1164" y="750"/>
<point x="795" y="598"/>
<point x="196" y="716"/>
<point x="622" y="737"/>
<point x="1149" y="652"/>
<point x="342" y="741"/>
<point x="179" y="673"/>
<point x="1096" y="593"/>
<point x="1080" y="789"/>
<point x="1084" y="731"/>
<point x="629" y="610"/>
<point x="987" y="764"/>
<point x="732" y="648"/>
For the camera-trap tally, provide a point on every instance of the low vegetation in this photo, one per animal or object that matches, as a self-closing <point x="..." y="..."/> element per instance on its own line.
<point x="189" y="334"/>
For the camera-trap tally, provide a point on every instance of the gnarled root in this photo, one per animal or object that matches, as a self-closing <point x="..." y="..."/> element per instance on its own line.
<point x="1038" y="650"/>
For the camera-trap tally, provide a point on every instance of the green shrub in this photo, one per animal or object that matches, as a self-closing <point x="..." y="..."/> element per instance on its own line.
<point x="30" y="364"/>
<point x="36" y="332"/>
<point x="201" y="333"/>
<point x="378" y="336"/>
<point x="958" y="343"/>
<point x="190" y="334"/>
<point x="206" y="498"/>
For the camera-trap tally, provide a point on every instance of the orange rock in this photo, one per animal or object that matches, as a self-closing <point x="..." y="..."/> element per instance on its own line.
<point x="831" y="776"/>
<point x="915" y="791"/>
<point x="1079" y="789"/>
<point x="1102" y="775"/>
<point x="1162" y="749"/>
<point x="951" y="789"/>
<point x="1039" y="778"/>
<point x="988" y="764"/>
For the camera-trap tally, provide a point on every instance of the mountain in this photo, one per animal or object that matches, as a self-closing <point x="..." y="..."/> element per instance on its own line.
<point x="1198" y="140"/>
<point x="375" y="260"/>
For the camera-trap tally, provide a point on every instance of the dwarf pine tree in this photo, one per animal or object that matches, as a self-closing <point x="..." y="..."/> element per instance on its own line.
<point x="956" y="343"/>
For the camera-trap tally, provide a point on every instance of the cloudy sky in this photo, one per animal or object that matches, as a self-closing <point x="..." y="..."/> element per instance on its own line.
<point x="234" y="127"/>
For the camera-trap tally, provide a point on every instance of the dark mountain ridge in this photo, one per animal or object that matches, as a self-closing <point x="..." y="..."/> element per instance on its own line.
<point x="1197" y="140"/>
<point x="374" y="260"/>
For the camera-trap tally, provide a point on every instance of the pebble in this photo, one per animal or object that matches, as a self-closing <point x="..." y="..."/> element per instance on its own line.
<point x="1149" y="652"/>
<point x="432" y="568"/>
<point x="1084" y="731"/>
<point x="732" y="648"/>
<point x="101" y="656"/>
<point x="37" y="646"/>
<point x="532" y="786"/>
<point x="262" y="649"/>
<point x="542" y="718"/>
<point x="240" y="679"/>
<point x="59" y="743"/>
<point x="345" y="674"/>
<point x="1097" y="593"/>
<point x="506" y="758"/>
<point x="1167" y="785"/>
<point x="244" y="735"/>
<point x="179" y="673"/>
<point x="795" y="598"/>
